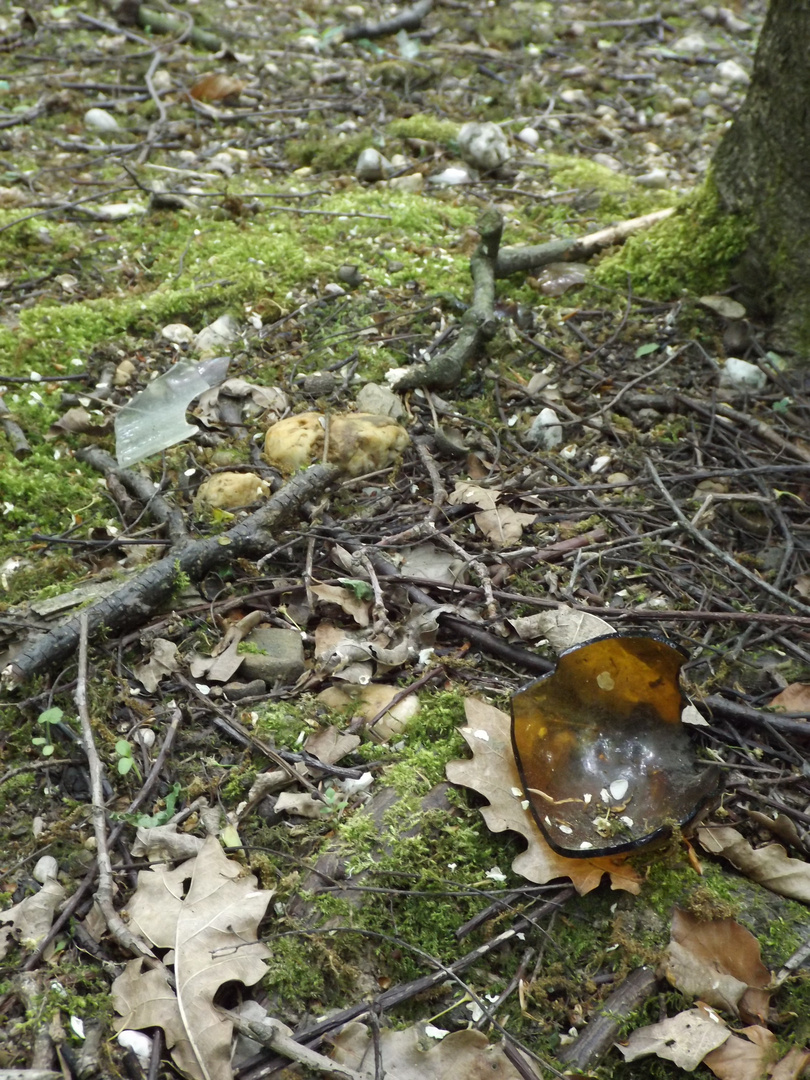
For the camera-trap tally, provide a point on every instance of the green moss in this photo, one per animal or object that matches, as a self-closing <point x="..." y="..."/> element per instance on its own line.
<point x="333" y="153"/>
<point x="424" y="126"/>
<point x="284" y="723"/>
<point x="693" y="252"/>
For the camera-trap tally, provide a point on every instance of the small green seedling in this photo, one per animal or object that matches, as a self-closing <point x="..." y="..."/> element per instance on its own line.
<point x="47" y="718"/>
<point x="126" y="761"/>
<point x="335" y="802"/>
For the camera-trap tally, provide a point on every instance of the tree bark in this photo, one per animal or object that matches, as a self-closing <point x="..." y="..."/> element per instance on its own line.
<point x="762" y="170"/>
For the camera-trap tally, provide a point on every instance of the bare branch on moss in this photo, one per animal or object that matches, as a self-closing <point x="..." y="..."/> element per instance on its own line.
<point x="478" y="322"/>
<point x="137" y="600"/>
<point x="408" y="19"/>
<point x="519" y="260"/>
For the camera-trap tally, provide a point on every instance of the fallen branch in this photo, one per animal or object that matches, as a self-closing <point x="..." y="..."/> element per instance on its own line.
<point x="517" y="260"/>
<point x="599" y="1034"/>
<point x="132" y="13"/>
<point x="137" y="600"/>
<point x="408" y="19"/>
<point x="477" y="324"/>
<point x="14" y="433"/>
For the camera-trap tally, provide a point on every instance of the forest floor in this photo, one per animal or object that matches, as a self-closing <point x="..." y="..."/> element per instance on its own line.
<point x="240" y="694"/>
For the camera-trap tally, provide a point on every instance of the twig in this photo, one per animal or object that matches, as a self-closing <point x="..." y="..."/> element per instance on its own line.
<point x="477" y="324"/>
<point x="15" y="434"/>
<point x="104" y="893"/>
<point x="273" y="1035"/>
<point x="597" y="1037"/>
<point x="132" y="604"/>
<point x="731" y="562"/>
<point x="407" y="19"/>
<point x="516" y="260"/>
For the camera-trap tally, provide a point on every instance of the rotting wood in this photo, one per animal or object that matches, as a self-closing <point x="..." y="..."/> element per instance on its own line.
<point x="132" y="604"/>
<point x="596" y="1038"/>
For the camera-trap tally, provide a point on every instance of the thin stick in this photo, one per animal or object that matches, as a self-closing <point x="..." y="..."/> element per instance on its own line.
<point x="696" y="534"/>
<point x="104" y="892"/>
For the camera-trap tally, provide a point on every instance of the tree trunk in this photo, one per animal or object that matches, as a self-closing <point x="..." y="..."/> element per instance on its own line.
<point x="762" y="170"/>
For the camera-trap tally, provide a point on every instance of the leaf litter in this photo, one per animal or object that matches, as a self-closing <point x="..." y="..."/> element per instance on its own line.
<point x="623" y="386"/>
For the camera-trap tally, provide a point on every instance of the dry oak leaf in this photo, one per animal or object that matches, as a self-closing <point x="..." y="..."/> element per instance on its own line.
<point x="414" y="1055"/>
<point x="217" y="87"/>
<point x="742" y="1059"/>
<point x="492" y="771"/>
<point x="718" y="961"/>
<point x="563" y="627"/>
<point x="29" y="921"/>
<point x="206" y="913"/>
<point x="685" y="1039"/>
<point x="769" y="866"/>
<point x="794" y="698"/>
<point x="503" y="526"/>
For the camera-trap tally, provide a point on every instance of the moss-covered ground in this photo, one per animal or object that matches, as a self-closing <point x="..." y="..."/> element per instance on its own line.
<point x="251" y="208"/>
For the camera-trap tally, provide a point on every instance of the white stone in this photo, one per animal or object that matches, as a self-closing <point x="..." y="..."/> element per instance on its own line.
<point x="691" y="45"/>
<point x="530" y="137"/>
<point x="411" y="183"/>
<point x="733" y="73"/>
<point x="607" y="161"/>
<point x="655" y="178"/>
<point x="740" y="375"/>
<point x="100" y="120"/>
<point x="178" y="333"/>
<point x="221" y="332"/>
<point x="371" y="165"/>
<point x="483" y="145"/>
<point x="546" y="431"/>
<point x="453" y="175"/>
<point x="45" y="869"/>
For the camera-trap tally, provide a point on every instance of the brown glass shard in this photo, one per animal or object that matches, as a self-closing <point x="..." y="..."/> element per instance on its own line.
<point x="606" y="764"/>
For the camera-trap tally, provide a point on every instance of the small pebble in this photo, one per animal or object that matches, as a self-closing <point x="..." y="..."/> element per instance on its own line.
<point x="100" y="120"/>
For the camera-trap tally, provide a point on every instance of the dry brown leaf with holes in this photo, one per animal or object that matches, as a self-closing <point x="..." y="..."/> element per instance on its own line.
<point x="802" y="585"/>
<point x="413" y="1054"/>
<point x="217" y="87"/>
<point x="206" y="912"/>
<point x="503" y="526"/>
<point x="29" y="921"/>
<point x="165" y="660"/>
<point x="345" y="599"/>
<point x="769" y="866"/>
<point x="474" y="494"/>
<point x="563" y="626"/>
<point x="794" y="698"/>
<point x="493" y="773"/>
<point x="742" y="1059"/>
<point x="718" y="961"/>
<point x="684" y="1039"/>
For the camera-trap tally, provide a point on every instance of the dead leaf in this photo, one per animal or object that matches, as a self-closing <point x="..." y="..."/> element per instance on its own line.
<point x="206" y="912"/>
<point x="563" y="626"/>
<point x="413" y="1055"/>
<point x="345" y="599"/>
<point x="217" y="87"/>
<point x="794" y="698"/>
<point x="369" y="701"/>
<point x="77" y="421"/>
<point x="503" y="526"/>
<point x="769" y="866"/>
<point x="802" y="585"/>
<point x="331" y="744"/>
<point x="742" y="1059"/>
<point x="719" y="962"/>
<point x="29" y="921"/>
<point x="225" y="659"/>
<point x="300" y="803"/>
<point x="464" y="492"/>
<point x="493" y="773"/>
<point x="164" y="844"/>
<point x="428" y="561"/>
<point x="163" y="661"/>
<point x="685" y="1039"/>
<point x="793" y="1065"/>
